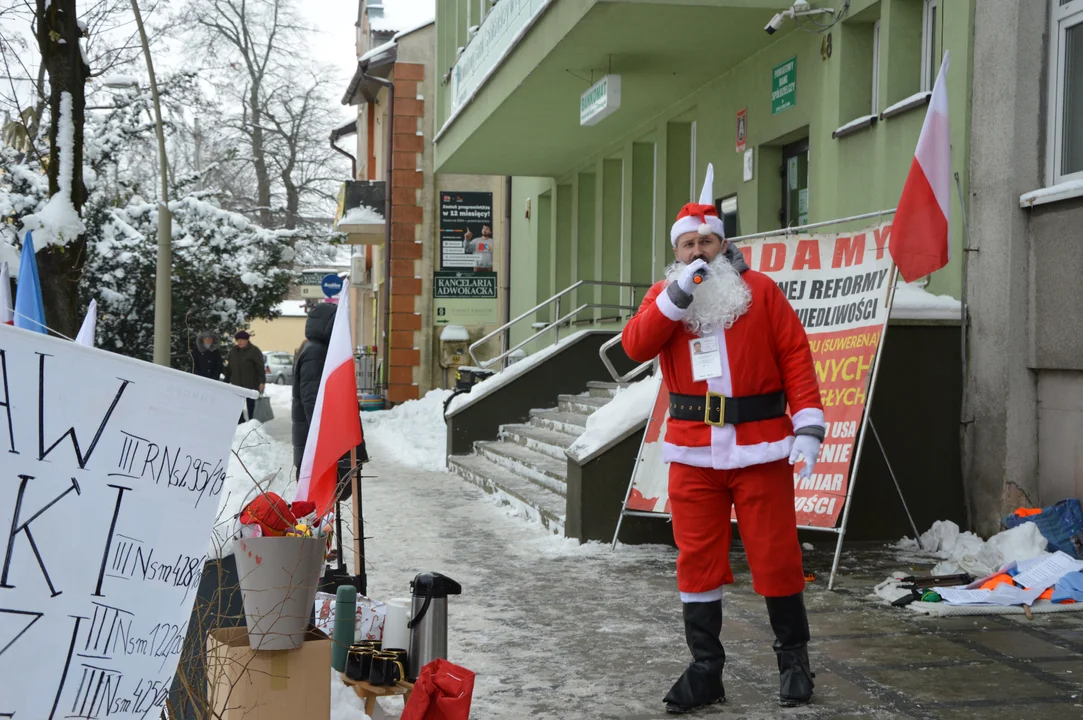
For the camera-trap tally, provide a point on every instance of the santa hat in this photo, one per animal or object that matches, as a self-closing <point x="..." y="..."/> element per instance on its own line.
<point x="701" y="217"/>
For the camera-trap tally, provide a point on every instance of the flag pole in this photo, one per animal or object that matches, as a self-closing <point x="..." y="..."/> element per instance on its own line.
<point x="358" y="523"/>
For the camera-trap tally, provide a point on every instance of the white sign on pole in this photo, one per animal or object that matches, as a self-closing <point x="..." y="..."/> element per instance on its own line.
<point x="111" y="472"/>
<point x="601" y="100"/>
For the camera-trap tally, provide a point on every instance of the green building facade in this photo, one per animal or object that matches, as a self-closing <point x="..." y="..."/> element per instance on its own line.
<point x="829" y="105"/>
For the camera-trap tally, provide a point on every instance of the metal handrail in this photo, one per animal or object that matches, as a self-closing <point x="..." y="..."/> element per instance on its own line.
<point x="555" y="325"/>
<point x="603" y="353"/>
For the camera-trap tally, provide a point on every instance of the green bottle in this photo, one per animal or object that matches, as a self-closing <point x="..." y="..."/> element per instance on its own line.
<point x="345" y="609"/>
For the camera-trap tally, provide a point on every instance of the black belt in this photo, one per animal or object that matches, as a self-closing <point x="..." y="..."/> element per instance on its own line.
<point x="715" y="409"/>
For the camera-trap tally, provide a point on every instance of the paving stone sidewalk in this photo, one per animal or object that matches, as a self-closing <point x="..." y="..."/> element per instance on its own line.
<point x="558" y="630"/>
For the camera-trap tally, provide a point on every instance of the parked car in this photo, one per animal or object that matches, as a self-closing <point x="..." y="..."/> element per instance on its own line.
<point x="279" y="367"/>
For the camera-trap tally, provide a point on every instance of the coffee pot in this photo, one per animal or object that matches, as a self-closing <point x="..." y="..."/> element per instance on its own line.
<point x="428" y="624"/>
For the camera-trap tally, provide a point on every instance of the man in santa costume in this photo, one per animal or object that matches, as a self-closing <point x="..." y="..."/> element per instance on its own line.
<point x="730" y="442"/>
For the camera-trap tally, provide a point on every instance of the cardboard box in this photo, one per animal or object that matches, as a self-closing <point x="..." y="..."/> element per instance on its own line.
<point x="247" y="684"/>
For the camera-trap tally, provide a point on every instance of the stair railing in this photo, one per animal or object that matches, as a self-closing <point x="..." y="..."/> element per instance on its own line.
<point x="603" y="353"/>
<point x="554" y="327"/>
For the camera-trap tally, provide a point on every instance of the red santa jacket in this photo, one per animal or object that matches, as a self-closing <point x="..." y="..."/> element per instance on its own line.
<point x="765" y="351"/>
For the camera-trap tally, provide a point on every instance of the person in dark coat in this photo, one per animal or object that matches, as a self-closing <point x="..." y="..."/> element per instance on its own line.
<point x="246" y="368"/>
<point x="307" y="373"/>
<point x="207" y="356"/>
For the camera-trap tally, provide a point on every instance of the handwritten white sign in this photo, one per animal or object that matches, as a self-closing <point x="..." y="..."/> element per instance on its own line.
<point x="110" y="471"/>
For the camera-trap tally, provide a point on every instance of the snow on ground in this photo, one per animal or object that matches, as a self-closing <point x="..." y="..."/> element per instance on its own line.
<point x="255" y="457"/>
<point x="413" y="433"/>
<point x="281" y="399"/>
<point x="966" y="552"/>
<point x="630" y="408"/>
<point x="345" y="705"/>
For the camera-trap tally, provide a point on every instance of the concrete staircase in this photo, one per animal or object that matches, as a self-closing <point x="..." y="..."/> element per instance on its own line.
<point x="527" y="465"/>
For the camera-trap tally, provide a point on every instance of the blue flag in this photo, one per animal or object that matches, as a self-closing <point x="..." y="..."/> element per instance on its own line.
<point x="29" y="308"/>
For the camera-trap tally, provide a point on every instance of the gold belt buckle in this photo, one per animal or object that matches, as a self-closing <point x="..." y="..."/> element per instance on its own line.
<point x="721" y="409"/>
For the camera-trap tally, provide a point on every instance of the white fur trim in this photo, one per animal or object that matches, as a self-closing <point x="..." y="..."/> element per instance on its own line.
<point x="727" y="455"/>
<point x="709" y="596"/>
<point x="667" y="307"/>
<point x="689" y="224"/>
<point x="809" y="417"/>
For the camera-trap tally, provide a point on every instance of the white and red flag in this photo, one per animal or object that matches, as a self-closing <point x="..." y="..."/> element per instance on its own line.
<point x="919" y="234"/>
<point x="7" y="310"/>
<point x="336" y="421"/>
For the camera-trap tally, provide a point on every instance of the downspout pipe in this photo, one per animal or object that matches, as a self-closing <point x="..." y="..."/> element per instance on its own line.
<point x="335" y="135"/>
<point x="388" y="154"/>
<point x="507" y="267"/>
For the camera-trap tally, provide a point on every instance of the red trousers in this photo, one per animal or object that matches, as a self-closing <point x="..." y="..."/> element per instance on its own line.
<point x="700" y="502"/>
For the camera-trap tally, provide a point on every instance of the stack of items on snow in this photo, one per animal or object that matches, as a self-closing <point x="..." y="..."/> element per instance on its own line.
<point x="1034" y="566"/>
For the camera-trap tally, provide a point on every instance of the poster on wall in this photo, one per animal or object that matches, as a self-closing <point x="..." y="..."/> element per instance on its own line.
<point x="742" y="129"/>
<point x="113" y="470"/>
<point x="464" y="298"/>
<point x="466" y="231"/>
<point x="839" y="285"/>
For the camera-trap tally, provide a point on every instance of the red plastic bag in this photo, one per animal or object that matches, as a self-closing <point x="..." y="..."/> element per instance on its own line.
<point x="442" y="692"/>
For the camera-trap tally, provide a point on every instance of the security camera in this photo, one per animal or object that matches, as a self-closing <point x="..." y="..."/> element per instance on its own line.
<point x="776" y="23"/>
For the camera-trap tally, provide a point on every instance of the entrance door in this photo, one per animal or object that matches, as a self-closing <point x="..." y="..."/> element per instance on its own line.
<point x="794" y="210"/>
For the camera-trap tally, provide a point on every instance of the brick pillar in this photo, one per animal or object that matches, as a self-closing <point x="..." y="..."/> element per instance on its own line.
<point x="406" y="248"/>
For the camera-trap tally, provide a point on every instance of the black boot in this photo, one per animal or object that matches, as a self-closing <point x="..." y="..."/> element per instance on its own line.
<point x="701" y="683"/>
<point x="790" y="623"/>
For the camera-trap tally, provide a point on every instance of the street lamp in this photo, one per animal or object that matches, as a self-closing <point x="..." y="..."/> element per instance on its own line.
<point x="163" y="286"/>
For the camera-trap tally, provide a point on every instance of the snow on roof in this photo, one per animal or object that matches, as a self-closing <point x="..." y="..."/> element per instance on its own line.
<point x="424" y="24"/>
<point x="505" y="376"/>
<point x="915" y="303"/>
<point x="625" y="413"/>
<point x="378" y="50"/>
<point x="406" y="15"/>
<point x="292" y="308"/>
<point x="454" y="333"/>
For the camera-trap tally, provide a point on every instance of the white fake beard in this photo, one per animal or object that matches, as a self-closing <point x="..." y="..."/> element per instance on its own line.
<point x="719" y="300"/>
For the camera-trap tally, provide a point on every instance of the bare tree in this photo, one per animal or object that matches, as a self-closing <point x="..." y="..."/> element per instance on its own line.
<point x="259" y="36"/>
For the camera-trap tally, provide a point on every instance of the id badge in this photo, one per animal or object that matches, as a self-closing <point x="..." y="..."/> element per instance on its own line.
<point x="706" y="360"/>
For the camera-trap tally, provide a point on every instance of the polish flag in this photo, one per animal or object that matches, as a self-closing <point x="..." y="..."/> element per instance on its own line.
<point x="919" y="234"/>
<point x="7" y="311"/>
<point x="336" y="419"/>
<point x="90" y="324"/>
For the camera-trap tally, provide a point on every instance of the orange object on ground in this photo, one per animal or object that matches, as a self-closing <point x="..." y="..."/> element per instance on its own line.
<point x="1027" y="512"/>
<point x="1001" y="579"/>
<point x="1047" y="595"/>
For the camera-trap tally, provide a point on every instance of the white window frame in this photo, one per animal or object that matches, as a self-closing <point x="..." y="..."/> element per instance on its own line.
<point x="875" y="68"/>
<point x="929" y="65"/>
<point x="1062" y="18"/>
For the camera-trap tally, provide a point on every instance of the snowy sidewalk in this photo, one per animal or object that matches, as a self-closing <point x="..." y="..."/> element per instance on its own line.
<point x="558" y="630"/>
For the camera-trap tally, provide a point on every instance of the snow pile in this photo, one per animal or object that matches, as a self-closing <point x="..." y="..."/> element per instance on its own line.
<point x="262" y="456"/>
<point x="345" y="704"/>
<point x="505" y="376"/>
<point x="966" y="552"/>
<point x="454" y="333"/>
<point x="281" y="399"/>
<point x="914" y="303"/>
<point x="631" y="407"/>
<point x="58" y="223"/>
<point x="413" y="433"/>
<point x="361" y="215"/>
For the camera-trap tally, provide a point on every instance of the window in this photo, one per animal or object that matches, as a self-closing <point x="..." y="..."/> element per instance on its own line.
<point x="930" y="61"/>
<point x="875" y="68"/>
<point x="1066" y="101"/>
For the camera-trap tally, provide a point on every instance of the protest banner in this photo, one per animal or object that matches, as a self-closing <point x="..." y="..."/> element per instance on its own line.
<point x="112" y="471"/>
<point x="839" y="284"/>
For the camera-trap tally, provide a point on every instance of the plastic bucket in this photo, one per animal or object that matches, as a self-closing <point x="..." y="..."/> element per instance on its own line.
<point x="278" y="578"/>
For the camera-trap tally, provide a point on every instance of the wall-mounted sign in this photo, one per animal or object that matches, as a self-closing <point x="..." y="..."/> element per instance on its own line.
<point x="600" y="101"/>
<point x="464" y="298"/>
<point x="742" y="129"/>
<point x="466" y="230"/>
<point x="750" y="162"/>
<point x="498" y="34"/>
<point x="784" y="86"/>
